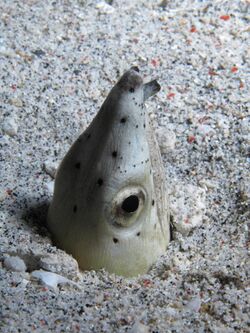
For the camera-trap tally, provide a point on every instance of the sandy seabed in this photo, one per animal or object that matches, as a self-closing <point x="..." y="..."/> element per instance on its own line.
<point x="58" y="61"/>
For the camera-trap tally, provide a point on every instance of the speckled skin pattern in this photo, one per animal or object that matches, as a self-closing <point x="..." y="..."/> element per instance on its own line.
<point x="109" y="208"/>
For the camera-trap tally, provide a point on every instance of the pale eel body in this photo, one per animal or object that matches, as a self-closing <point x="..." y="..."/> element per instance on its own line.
<point x="109" y="208"/>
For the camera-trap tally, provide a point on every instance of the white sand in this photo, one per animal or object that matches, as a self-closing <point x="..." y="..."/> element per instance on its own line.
<point x="58" y="60"/>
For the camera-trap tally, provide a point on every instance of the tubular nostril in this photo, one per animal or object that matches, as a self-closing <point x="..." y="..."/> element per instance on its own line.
<point x="135" y="68"/>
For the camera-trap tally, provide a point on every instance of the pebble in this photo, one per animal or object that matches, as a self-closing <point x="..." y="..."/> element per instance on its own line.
<point x="15" y="264"/>
<point x="194" y="304"/>
<point x="207" y="184"/>
<point x="105" y="8"/>
<point x="50" y="187"/>
<point x="52" y="279"/>
<point x="187" y="206"/>
<point x="59" y="263"/>
<point x="245" y="191"/>
<point x="51" y="168"/>
<point x="3" y="194"/>
<point x="16" y="102"/>
<point x="181" y="262"/>
<point x="172" y="312"/>
<point x="138" y="328"/>
<point x="166" y="139"/>
<point x="10" y="126"/>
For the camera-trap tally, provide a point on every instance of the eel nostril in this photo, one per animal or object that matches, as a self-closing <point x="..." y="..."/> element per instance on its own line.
<point x="135" y="68"/>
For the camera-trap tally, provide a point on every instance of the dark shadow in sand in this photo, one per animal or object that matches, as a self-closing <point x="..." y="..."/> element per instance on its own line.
<point x="35" y="214"/>
<point x="32" y="214"/>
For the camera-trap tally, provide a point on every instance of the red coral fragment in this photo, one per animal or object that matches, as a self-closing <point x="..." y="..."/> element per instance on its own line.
<point x="191" y="138"/>
<point x="212" y="72"/>
<point x="193" y="29"/>
<point x="234" y="69"/>
<point x="147" y="283"/>
<point x="225" y="17"/>
<point x="170" y="95"/>
<point x="155" y="62"/>
<point x="9" y="191"/>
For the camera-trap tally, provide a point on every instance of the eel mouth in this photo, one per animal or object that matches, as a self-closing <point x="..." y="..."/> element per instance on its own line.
<point x="150" y="89"/>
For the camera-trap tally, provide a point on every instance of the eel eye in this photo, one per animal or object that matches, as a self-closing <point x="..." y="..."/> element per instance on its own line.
<point x="130" y="204"/>
<point x="127" y="206"/>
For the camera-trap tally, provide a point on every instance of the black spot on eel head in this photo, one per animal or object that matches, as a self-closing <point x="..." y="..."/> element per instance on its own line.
<point x="100" y="181"/>
<point x="78" y="165"/>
